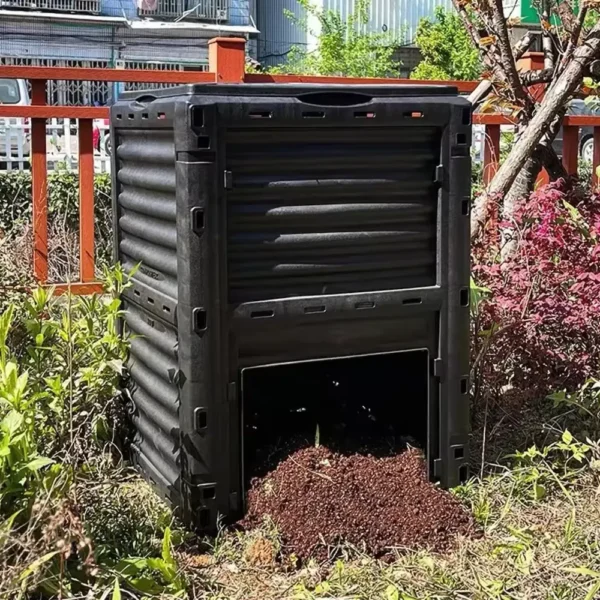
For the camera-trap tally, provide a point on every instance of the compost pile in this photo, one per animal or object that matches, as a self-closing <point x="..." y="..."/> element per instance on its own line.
<point x="319" y="498"/>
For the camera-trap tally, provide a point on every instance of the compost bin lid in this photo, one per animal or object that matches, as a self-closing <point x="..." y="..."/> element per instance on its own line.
<point x="294" y="89"/>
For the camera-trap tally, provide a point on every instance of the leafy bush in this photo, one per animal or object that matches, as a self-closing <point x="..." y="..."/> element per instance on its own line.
<point x="61" y="362"/>
<point x="343" y="47"/>
<point x="539" y="321"/>
<point x="447" y="49"/>
<point x="63" y="211"/>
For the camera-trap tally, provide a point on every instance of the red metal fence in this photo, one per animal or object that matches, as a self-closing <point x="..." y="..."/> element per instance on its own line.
<point x="226" y="65"/>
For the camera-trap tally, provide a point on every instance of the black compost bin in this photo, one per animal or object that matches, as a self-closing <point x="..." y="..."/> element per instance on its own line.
<point x="304" y="257"/>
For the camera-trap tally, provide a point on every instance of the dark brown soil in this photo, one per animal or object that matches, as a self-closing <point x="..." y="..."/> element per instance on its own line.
<point x="319" y="498"/>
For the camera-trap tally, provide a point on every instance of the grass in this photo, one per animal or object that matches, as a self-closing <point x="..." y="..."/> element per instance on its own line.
<point x="527" y="550"/>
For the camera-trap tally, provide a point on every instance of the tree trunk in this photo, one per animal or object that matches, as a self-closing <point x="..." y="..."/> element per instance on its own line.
<point x="556" y="97"/>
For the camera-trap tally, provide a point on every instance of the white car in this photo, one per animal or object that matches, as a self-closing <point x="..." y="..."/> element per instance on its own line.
<point x="14" y="132"/>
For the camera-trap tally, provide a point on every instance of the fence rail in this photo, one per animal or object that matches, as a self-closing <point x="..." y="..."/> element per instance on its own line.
<point x="226" y="65"/>
<point x="62" y="144"/>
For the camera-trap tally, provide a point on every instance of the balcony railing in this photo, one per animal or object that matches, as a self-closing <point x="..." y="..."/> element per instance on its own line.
<point x="204" y="10"/>
<point x="80" y="6"/>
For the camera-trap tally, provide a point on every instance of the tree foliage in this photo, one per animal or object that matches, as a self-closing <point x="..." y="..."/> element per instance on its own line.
<point x="344" y="47"/>
<point x="447" y="49"/>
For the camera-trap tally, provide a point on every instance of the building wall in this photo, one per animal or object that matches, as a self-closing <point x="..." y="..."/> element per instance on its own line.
<point x="278" y="34"/>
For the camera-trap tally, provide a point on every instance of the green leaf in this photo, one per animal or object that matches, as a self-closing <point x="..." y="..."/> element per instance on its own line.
<point x="39" y="463"/>
<point x="583" y="571"/>
<point x="539" y="491"/>
<point x="591" y="595"/>
<point x="392" y="593"/>
<point x="146" y="585"/>
<point x="567" y="438"/>
<point x="35" y="566"/>
<point x="128" y="567"/>
<point x="12" y="422"/>
<point x="167" y="555"/>
<point x="116" y="591"/>
<point x="167" y="570"/>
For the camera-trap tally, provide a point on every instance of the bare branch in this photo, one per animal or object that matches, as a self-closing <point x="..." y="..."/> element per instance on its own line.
<point x="535" y="77"/>
<point x="507" y="57"/>
<point x="523" y="45"/>
<point x="574" y="39"/>
<point x="555" y="99"/>
<point x="567" y="16"/>
<point x="547" y="45"/>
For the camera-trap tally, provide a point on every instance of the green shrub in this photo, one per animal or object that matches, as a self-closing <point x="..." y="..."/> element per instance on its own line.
<point x="63" y="207"/>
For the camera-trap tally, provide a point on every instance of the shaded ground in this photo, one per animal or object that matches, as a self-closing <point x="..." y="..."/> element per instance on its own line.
<point x="319" y="499"/>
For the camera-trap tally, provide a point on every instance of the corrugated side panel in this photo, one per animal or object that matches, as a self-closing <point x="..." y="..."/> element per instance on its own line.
<point x="331" y="211"/>
<point x="147" y="236"/>
<point x="147" y="207"/>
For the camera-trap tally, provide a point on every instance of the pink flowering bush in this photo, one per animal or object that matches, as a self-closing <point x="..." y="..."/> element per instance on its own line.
<point x="537" y="328"/>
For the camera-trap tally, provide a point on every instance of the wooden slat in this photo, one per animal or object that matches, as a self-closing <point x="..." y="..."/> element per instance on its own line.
<point x="123" y="75"/>
<point x="463" y="86"/>
<point x="571" y="149"/>
<point x="78" y="288"/>
<point x="54" y="112"/>
<point x="39" y="184"/>
<point x="491" y="119"/>
<point x="582" y="121"/>
<point x="86" y="200"/>
<point x="491" y="153"/>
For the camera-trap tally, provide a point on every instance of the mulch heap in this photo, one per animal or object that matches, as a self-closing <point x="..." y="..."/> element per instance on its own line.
<point x="319" y="499"/>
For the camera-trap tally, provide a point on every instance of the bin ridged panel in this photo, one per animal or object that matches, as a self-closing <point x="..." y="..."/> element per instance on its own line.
<point x="146" y="206"/>
<point x="331" y="211"/>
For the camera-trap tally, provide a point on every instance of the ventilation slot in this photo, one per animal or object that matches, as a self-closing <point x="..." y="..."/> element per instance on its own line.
<point x="364" y="305"/>
<point x="209" y="493"/>
<point x="466" y="116"/>
<point x="459" y="452"/>
<point x="203" y="141"/>
<point x="314" y="114"/>
<point x="261" y="114"/>
<point x="335" y="98"/>
<point x="464" y="385"/>
<point x="198" y="219"/>
<point x="464" y="297"/>
<point x="461" y="139"/>
<point x="309" y="310"/>
<point x="465" y="207"/>
<point x="197" y="117"/>
<point x="150" y="300"/>
<point x="131" y="116"/>
<point x="161" y="115"/>
<point x="144" y="115"/>
<point x="262" y="314"/>
<point x="364" y="115"/>
<point x="409" y="301"/>
<point x="199" y="320"/>
<point x="415" y="114"/>
<point x="201" y="416"/>
<point x="166" y="309"/>
<point x="463" y="473"/>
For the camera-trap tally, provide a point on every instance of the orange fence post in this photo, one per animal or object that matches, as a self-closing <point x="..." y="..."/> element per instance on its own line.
<point x="571" y="149"/>
<point x="491" y="153"/>
<point x="39" y="184"/>
<point x="227" y="59"/>
<point x="596" y="160"/>
<point x="86" y="200"/>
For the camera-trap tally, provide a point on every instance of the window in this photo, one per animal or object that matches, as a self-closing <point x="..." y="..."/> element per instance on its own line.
<point x="9" y="91"/>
